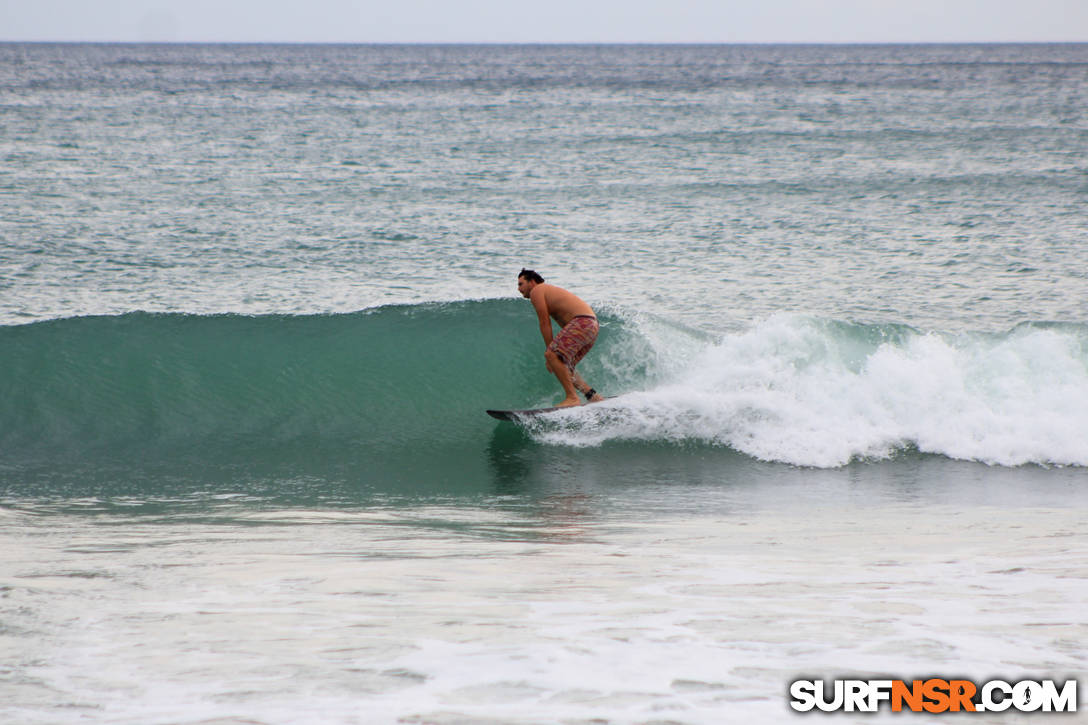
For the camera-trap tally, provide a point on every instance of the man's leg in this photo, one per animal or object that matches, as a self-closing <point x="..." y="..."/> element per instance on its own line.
<point x="584" y="387"/>
<point x="560" y="370"/>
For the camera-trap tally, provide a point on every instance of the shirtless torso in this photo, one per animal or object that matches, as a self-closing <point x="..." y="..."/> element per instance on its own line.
<point x="558" y="304"/>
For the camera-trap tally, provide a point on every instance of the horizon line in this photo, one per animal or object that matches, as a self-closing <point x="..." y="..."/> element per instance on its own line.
<point x="545" y="42"/>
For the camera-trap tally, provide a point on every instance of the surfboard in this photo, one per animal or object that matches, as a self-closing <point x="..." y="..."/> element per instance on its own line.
<point x="513" y="415"/>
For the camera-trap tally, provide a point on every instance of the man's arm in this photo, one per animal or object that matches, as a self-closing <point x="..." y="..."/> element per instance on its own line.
<point x="540" y="304"/>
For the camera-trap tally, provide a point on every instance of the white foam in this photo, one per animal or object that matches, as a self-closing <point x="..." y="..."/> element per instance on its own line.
<point x="807" y="392"/>
<point x="700" y="619"/>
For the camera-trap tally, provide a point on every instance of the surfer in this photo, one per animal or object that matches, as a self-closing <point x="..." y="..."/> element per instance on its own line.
<point x="578" y="332"/>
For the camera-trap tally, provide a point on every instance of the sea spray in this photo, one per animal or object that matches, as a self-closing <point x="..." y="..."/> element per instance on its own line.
<point x="824" y="393"/>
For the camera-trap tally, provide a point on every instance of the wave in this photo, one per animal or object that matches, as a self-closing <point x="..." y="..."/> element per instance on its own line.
<point x="825" y="393"/>
<point x="142" y="385"/>
<point x="402" y="389"/>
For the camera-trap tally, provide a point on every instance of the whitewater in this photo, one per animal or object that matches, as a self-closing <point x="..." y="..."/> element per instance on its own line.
<point x="254" y="302"/>
<point x="813" y="393"/>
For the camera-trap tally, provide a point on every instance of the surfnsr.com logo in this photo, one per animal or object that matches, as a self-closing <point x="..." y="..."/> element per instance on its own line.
<point x="933" y="695"/>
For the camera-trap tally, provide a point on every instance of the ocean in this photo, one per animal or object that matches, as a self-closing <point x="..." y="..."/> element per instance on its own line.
<point x="255" y="299"/>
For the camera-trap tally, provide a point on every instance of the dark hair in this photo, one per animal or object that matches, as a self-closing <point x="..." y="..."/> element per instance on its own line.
<point x="530" y="275"/>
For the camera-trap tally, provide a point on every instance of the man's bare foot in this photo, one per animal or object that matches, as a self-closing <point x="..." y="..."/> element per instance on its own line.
<point x="569" y="403"/>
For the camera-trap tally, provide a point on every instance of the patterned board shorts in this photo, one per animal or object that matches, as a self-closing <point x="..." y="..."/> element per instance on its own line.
<point x="575" y="339"/>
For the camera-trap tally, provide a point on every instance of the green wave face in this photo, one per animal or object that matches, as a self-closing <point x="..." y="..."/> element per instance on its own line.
<point x="393" y="394"/>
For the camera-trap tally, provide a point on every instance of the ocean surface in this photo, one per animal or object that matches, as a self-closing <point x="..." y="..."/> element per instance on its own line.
<point x="254" y="301"/>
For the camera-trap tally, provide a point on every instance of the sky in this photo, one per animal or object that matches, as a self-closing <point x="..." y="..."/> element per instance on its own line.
<point x="546" y="21"/>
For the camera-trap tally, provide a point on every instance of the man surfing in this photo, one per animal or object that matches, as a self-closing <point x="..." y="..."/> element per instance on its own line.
<point x="566" y="348"/>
